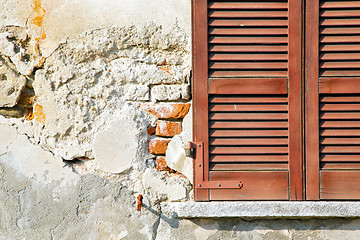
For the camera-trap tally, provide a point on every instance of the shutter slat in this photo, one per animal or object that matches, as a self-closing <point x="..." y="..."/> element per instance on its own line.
<point x="247" y="14"/>
<point x="341" y="115"/>
<point x="340" y="65"/>
<point x="340" y="124"/>
<point x="247" y="5"/>
<point x="339" y="30"/>
<point x="248" y="167"/>
<point x="340" y="132"/>
<point x="247" y="40"/>
<point x="238" y="124"/>
<point x="249" y="158"/>
<point x="340" y="39"/>
<point x="248" y="150"/>
<point x="340" y="56"/>
<point x="248" y="23"/>
<point x="248" y="31"/>
<point x="339" y="107"/>
<point x="340" y="149"/>
<point x="339" y="47"/>
<point x="339" y="141"/>
<point x="231" y="99"/>
<point x="248" y="48"/>
<point x="239" y="57"/>
<point x="248" y="141"/>
<point x="248" y="65"/>
<point x="248" y="133"/>
<point x="250" y="116"/>
<point x="232" y="74"/>
<point x="340" y="99"/>
<point x="335" y="13"/>
<point x="340" y="158"/>
<point x="247" y="108"/>
<point x="340" y="4"/>
<point x="339" y="22"/>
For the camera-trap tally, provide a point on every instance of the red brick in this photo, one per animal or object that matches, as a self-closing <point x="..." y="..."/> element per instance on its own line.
<point x="167" y="128"/>
<point x="167" y="110"/>
<point x="158" y="146"/>
<point x="161" y="164"/>
<point x="151" y="130"/>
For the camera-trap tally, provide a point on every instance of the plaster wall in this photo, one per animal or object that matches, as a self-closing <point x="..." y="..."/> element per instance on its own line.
<point x="84" y="86"/>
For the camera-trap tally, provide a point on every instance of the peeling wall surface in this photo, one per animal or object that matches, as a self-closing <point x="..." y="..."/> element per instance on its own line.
<point x="95" y="109"/>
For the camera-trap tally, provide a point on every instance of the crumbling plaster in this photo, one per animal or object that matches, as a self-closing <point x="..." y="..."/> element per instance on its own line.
<point x="73" y="138"/>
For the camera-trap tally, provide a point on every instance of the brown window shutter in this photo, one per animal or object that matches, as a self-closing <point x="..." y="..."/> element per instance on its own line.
<point x="333" y="125"/>
<point x="247" y="99"/>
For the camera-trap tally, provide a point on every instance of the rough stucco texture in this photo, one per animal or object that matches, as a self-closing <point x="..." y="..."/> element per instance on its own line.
<point x="81" y="84"/>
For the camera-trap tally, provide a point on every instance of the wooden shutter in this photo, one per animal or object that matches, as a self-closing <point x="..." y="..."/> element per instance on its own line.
<point x="247" y="99"/>
<point x="333" y="99"/>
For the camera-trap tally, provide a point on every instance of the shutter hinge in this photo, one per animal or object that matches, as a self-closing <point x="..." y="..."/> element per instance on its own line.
<point x="199" y="170"/>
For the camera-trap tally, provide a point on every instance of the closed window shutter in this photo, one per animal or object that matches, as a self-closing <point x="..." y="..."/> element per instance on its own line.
<point x="333" y="126"/>
<point x="246" y="98"/>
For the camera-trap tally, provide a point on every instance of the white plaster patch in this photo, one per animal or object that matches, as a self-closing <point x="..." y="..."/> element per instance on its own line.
<point x="173" y="190"/>
<point x="34" y="162"/>
<point x="116" y="147"/>
<point x="7" y="136"/>
<point x="176" y="158"/>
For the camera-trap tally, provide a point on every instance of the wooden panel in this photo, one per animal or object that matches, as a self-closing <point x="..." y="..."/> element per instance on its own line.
<point x="249" y="158"/>
<point x="312" y="99"/>
<point x="339" y="85"/>
<point x="246" y="125"/>
<point x="256" y="186"/>
<point x="336" y="185"/>
<point x="200" y="83"/>
<point x="248" y="86"/>
<point x="248" y="48"/>
<point x="249" y="141"/>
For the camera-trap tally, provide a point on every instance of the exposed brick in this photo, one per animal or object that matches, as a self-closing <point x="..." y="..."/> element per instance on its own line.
<point x="158" y="146"/>
<point x="161" y="164"/>
<point x="167" y="128"/>
<point x="151" y="130"/>
<point x="167" y="110"/>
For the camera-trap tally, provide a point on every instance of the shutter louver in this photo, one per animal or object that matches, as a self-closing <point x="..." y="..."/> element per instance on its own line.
<point x="248" y="39"/>
<point x="339" y="38"/>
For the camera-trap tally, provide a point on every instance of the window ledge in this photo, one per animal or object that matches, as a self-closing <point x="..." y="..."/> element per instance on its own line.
<point x="262" y="209"/>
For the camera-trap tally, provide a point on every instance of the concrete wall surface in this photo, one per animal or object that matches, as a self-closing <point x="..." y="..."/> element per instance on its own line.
<point x="95" y="109"/>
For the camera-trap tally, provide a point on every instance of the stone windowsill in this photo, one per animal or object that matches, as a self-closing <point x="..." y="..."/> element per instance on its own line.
<point x="262" y="209"/>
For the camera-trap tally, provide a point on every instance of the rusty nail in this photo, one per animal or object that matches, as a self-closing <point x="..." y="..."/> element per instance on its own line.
<point x="219" y="185"/>
<point x="199" y="185"/>
<point x="139" y="202"/>
<point x="199" y="145"/>
<point x="199" y="165"/>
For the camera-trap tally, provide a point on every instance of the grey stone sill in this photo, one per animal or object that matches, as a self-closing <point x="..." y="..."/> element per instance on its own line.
<point x="262" y="209"/>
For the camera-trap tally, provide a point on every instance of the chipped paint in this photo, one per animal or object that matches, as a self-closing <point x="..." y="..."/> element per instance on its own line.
<point x="38" y="13"/>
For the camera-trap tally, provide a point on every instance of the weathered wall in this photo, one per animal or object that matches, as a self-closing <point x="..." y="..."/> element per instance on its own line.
<point x="95" y="108"/>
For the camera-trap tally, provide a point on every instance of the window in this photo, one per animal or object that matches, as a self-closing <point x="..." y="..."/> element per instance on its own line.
<point x="277" y="104"/>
